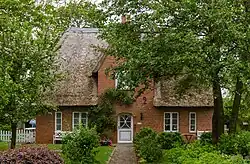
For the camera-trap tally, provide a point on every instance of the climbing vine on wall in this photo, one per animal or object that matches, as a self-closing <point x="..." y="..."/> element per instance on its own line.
<point x="102" y="116"/>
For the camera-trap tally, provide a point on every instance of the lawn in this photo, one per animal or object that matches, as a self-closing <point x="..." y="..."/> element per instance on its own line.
<point x="3" y="146"/>
<point x="102" y="156"/>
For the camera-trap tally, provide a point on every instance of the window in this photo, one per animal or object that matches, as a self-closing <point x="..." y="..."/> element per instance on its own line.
<point x="171" y="122"/>
<point x="192" y="122"/>
<point x="58" y="121"/>
<point x="78" y="118"/>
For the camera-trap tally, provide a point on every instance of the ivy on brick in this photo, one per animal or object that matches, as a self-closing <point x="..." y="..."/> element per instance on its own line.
<point x="102" y="115"/>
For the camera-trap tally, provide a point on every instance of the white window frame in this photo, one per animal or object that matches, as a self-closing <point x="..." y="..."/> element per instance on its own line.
<point x="192" y="131"/>
<point x="80" y="118"/>
<point x="171" y="122"/>
<point x="56" y="121"/>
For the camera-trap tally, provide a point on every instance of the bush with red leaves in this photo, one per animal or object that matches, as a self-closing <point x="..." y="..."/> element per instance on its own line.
<point x="30" y="155"/>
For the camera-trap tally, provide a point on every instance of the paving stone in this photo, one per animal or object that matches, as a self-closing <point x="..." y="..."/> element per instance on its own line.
<point x="124" y="154"/>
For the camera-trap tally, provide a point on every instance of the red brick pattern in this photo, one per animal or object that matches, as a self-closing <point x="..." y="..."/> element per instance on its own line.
<point x="46" y="123"/>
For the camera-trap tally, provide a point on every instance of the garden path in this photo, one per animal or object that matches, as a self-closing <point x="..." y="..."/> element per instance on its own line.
<point x="124" y="154"/>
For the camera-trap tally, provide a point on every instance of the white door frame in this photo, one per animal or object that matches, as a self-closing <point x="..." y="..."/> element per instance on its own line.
<point x="131" y="129"/>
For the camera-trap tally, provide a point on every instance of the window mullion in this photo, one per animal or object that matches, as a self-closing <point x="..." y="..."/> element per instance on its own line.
<point x="171" y="122"/>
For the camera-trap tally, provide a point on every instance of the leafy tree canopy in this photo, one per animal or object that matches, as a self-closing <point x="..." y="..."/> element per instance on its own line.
<point x="207" y="42"/>
<point x="29" y="40"/>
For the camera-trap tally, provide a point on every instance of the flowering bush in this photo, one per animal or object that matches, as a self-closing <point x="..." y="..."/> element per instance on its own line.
<point x="32" y="155"/>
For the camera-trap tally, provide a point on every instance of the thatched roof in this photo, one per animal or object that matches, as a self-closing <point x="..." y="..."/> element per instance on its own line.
<point x="167" y="95"/>
<point x="78" y="60"/>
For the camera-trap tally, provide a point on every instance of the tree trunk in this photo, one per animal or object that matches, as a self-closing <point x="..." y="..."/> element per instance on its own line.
<point x="13" y="135"/>
<point x="236" y="106"/>
<point x="218" y="115"/>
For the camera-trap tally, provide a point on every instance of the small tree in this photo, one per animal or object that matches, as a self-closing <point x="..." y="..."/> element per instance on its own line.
<point x="29" y="35"/>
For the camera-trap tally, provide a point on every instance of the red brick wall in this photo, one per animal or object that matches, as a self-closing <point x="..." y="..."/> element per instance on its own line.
<point x="46" y="123"/>
<point x="153" y="117"/>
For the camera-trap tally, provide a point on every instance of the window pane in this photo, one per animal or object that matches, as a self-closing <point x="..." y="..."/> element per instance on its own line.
<point x="58" y="115"/>
<point x="76" y="121"/>
<point x="192" y="122"/>
<point x="127" y="118"/>
<point x="167" y="127"/>
<point x="192" y="128"/>
<point x="58" y="120"/>
<point x="174" y="115"/>
<point x="174" y="121"/>
<point x="167" y="115"/>
<point x="76" y="115"/>
<point x="167" y="121"/>
<point x="192" y="116"/>
<point x="174" y="127"/>
<point x="84" y="115"/>
<point x="58" y="127"/>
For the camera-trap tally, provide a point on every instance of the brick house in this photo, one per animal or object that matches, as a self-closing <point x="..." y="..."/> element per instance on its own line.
<point x="85" y="79"/>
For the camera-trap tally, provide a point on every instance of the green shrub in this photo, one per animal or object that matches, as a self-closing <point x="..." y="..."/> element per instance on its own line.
<point x="196" y="153"/>
<point x="169" y="140"/>
<point x="206" y="138"/>
<point x="215" y="157"/>
<point x="144" y="132"/>
<point x="146" y="145"/>
<point x="228" y="144"/>
<point x="149" y="149"/>
<point x="80" y="146"/>
<point x="235" y="144"/>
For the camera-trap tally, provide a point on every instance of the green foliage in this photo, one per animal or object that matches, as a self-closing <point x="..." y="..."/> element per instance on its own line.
<point x="29" y="41"/>
<point x="235" y="143"/>
<point x="149" y="149"/>
<point x="169" y="140"/>
<point x="146" y="145"/>
<point x="5" y="127"/>
<point x="144" y="132"/>
<point x="80" y="146"/>
<point x="202" y="41"/>
<point x="101" y="116"/>
<point x="198" y="154"/>
<point x="206" y="138"/>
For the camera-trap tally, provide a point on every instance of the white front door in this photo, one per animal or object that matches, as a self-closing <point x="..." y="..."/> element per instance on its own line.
<point x="125" y="128"/>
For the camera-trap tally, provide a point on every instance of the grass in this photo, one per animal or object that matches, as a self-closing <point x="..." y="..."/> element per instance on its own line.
<point x="54" y="146"/>
<point x="102" y="156"/>
<point x="3" y="146"/>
